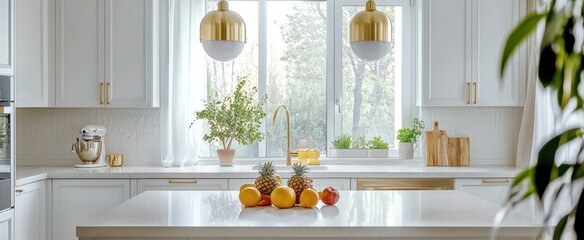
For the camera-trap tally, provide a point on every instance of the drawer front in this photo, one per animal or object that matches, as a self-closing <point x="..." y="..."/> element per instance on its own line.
<point x="405" y="184"/>
<point x="181" y="184"/>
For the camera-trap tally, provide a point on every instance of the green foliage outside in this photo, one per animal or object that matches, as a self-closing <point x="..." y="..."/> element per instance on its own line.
<point x="237" y="117"/>
<point x="342" y="142"/>
<point x="378" y="143"/>
<point x="411" y="134"/>
<point x="560" y="70"/>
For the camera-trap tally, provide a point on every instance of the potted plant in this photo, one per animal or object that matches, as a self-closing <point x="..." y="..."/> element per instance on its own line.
<point x="237" y="117"/>
<point x="408" y="137"/>
<point x="557" y="173"/>
<point x="378" y="148"/>
<point x="344" y="146"/>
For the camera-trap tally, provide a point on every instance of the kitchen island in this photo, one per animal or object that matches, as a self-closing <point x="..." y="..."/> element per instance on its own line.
<point x="358" y="215"/>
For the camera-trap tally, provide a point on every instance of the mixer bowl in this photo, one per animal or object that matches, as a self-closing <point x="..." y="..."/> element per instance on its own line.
<point x="87" y="151"/>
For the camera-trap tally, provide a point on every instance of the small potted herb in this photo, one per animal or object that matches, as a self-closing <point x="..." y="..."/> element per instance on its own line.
<point x="234" y="118"/>
<point x="408" y="137"/>
<point x="345" y="147"/>
<point x="378" y="148"/>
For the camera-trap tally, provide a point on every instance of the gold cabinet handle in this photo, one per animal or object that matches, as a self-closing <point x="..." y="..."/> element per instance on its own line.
<point x="19" y="191"/>
<point x="468" y="95"/>
<point x="495" y="181"/>
<point x="107" y="100"/>
<point x="475" y="92"/>
<point x="182" y="182"/>
<point x="100" y="93"/>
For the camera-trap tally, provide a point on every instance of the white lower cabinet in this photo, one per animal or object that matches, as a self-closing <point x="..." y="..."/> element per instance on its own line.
<point x="7" y="225"/>
<point x="181" y="185"/>
<point x="319" y="183"/>
<point x="75" y="202"/>
<point x="30" y="211"/>
<point x="494" y="190"/>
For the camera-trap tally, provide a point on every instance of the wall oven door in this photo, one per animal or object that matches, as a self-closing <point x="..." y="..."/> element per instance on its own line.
<point x="7" y="152"/>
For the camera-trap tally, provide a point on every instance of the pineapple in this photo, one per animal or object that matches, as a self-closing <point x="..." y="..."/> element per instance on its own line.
<point x="267" y="180"/>
<point x="299" y="181"/>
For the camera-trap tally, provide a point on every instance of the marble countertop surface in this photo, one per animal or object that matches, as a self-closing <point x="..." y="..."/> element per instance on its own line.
<point x="413" y="169"/>
<point x="168" y="214"/>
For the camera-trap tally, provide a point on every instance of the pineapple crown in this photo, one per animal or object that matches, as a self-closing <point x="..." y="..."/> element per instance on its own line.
<point x="266" y="169"/>
<point x="299" y="170"/>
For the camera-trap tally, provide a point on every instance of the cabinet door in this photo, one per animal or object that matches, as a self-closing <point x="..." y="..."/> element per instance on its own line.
<point x="494" y="20"/>
<point x="235" y="183"/>
<point x="492" y="190"/>
<point x="31" y="70"/>
<point x="30" y="211"/>
<point x="79" y="53"/>
<point x="446" y="53"/>
<point x="338" y="184"/>
<point x="75" y="202"/>
<point x="7" y="225"/>
<point x="128" y="53"/>
<point x="181" y="184"/>
<point x="6" y="37"/>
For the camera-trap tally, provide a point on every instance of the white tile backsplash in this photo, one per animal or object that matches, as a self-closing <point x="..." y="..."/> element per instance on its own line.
<point x="493" y="131"/>
<point x="44" y="136"/>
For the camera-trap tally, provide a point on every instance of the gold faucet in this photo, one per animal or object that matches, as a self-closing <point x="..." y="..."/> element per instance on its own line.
<point x="289" y="152"/>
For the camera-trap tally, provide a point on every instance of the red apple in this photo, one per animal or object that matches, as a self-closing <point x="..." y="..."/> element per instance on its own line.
<point x="330" y="196"/>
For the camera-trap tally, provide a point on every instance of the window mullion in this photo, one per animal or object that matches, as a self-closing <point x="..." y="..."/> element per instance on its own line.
<point x="262" y="68"/>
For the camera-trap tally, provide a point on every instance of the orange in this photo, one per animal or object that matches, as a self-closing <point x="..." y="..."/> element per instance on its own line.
<point x="309" y="198"/>
<point x="250" y="197"/>
<point x="283" y="197"/>
<point x="246" y="185"/>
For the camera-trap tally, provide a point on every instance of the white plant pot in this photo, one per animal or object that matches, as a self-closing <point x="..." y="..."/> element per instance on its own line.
<point x="225" y="157"/>
<point x="347" y="153"/>
<point x="406" y="150"/>
<point x="377" y="153"/>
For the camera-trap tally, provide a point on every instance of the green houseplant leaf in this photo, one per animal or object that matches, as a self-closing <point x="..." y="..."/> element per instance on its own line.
<point x="518" y="35"/>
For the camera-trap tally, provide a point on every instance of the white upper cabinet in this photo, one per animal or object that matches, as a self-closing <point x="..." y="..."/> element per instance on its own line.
<point x="462" y="43"/>
<point x="104" y="51"/>
<point x="32" y="72"/>
<point x="6" y="37"/>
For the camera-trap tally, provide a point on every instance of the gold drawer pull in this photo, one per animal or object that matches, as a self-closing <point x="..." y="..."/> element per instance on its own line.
<point x="100" y="93"/>
<point x="19" y="191"/>
<point x="495" y="181"/>
<point x="107" y="98"/>
<point x="182" y="182"/>
<point x="468" y="95"/>
<point x="475" y="92"/>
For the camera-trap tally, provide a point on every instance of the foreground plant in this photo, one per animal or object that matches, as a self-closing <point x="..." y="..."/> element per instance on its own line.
<point x="560" y="70"/>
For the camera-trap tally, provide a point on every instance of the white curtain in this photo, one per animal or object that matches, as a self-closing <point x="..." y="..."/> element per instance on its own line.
<point x="186" y="85"/>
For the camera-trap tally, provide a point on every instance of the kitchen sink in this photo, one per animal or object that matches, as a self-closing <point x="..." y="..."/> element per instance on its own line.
<point x="281" y="168"/>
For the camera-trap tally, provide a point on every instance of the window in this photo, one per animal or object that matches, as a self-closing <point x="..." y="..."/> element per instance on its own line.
<point x="298" y="54"/>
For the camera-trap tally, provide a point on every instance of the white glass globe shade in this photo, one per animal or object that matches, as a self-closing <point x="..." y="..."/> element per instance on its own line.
<point x="223" y="50"/>
<point x="370" y="50"/>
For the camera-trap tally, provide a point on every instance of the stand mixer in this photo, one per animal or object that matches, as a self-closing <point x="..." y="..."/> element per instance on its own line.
<point x="91" y="149"/>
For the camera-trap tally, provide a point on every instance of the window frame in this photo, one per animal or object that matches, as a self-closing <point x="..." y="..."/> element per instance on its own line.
<point x="407" y="95"/>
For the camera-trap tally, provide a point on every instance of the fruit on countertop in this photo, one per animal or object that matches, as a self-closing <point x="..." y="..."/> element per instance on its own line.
<point x="329" y="196"/>
<point x="283" y="197"/>
<point x="268" y="179"/>
<point x="299" y="181"/>
<point x="246" y="185"/>
<point x="309" y="198"/>
<point x="266" y="201"/>
<point x="250" y="197"/>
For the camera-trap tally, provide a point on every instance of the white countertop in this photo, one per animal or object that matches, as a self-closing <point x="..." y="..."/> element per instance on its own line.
<point x="414" y="169"/>
<point x="357" y="214"/>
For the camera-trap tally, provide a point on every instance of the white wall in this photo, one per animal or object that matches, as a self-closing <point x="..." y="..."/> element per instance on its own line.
<point x="44" y="136"/>
<point x="493" y="131"/>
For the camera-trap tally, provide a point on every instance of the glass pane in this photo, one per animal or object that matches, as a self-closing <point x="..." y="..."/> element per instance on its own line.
<point x="222" y="77"/>
<point x="296" y="73"/>
<point x="368" y="88"/>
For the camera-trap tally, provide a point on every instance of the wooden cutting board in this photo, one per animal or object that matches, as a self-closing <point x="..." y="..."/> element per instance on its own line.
<point x="442" y="150"/>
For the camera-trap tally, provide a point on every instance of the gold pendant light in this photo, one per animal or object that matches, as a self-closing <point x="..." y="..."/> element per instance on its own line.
<point x="223" y="33"/>
<point x="370" y="33"/>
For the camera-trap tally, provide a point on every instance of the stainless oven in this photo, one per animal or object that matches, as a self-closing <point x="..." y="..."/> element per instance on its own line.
<point x="7" y="152"/>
